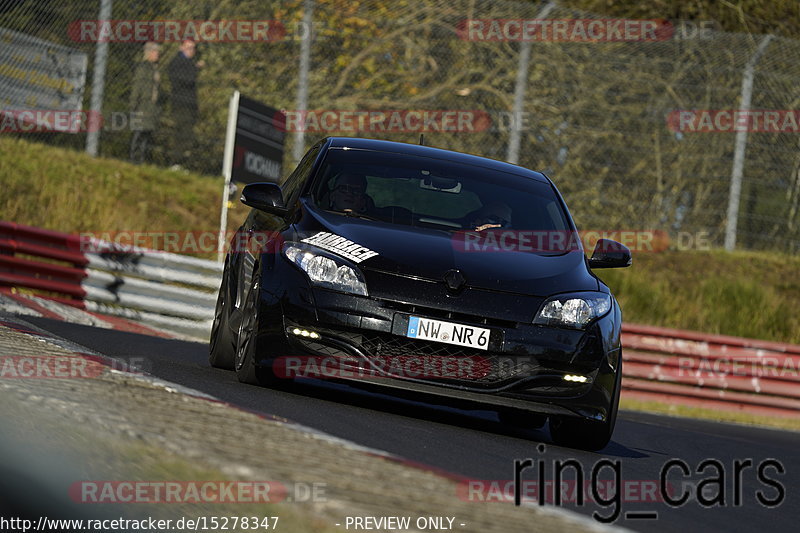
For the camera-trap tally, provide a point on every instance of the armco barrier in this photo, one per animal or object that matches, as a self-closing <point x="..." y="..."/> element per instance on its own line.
<point x="711" y="371"/>
<point x="170" y="291"/>
<point x="178" y="293"/>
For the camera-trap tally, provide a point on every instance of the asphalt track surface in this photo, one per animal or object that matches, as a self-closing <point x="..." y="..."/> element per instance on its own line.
<point x="474" y="445"/>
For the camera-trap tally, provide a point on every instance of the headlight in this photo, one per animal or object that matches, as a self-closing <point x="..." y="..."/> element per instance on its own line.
<point x="326" y="270"/>
<point x="573" y="310"/>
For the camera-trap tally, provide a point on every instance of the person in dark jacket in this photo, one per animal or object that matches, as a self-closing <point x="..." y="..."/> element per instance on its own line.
<point x="183" y="78"/>
<point x="144" y="104"/>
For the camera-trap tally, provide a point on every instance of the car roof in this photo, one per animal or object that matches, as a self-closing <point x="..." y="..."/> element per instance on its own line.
<point x="434" y="153"/>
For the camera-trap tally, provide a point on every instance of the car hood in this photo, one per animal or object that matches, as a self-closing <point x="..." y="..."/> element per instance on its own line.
<point x="429" y="254"/>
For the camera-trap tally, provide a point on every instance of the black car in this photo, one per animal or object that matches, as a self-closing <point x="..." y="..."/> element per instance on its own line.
<point x="425" y="271"/>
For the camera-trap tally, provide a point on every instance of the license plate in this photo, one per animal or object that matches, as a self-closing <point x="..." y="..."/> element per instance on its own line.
<point x="448" y="332"/>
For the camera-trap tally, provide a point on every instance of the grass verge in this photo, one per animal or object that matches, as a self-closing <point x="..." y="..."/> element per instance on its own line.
<point x="792" y="424"/>
<point x="65" y="190"/>
<point x="746" y="294"/>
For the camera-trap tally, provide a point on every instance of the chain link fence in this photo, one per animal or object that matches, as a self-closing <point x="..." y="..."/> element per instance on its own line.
<point x="636" y="132"/>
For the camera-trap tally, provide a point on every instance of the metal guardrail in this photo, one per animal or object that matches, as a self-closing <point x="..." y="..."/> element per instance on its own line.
<point x="178" y="293"/>
<point x="711" y="371"/>
<point x="170" y="291"/>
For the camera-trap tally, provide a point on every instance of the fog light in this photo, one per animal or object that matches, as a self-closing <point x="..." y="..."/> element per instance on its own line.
<point x="576" y="378"/>
<point x="305" y="333"/>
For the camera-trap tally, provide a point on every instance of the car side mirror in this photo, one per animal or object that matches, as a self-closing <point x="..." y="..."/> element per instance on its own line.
<point x="265" y="197"/>
<point x="610" y="254"/>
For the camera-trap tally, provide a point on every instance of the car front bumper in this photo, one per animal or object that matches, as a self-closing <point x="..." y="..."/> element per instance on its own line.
<point x="523" y="368"/>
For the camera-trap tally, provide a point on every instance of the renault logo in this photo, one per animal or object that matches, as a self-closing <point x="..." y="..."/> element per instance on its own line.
<point x="455" y="280"/>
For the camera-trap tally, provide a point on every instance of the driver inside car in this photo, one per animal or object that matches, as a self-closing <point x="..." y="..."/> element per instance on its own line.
<point x="350" y="193"/>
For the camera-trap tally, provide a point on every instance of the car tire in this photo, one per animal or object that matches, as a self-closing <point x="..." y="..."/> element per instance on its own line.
<point x="221" y="346"/>
<point x="588" y="434"/>
<point x="245" y="352"/>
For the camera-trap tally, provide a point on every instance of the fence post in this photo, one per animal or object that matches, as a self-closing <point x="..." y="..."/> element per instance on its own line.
<point x="735" y="193"/>
<point x="521" y="84"/>
<point x="98" y="84"/>
<point x="227" y="170"/>
<point x="302" y="82"/>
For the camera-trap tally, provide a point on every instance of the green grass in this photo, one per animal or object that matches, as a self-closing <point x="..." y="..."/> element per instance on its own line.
<point x="66" y="190"/>
<point x="748" y="419"/>
<point x="748" y="294"/>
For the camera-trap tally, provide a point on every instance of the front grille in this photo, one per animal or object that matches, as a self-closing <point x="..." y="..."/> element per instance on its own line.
<point x="432" y="312"/>
<point x="440" y="363"/>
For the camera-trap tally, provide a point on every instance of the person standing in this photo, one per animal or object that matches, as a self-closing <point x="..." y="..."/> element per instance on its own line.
<point x="144" y="104"/>
<point x="183" y="78"/>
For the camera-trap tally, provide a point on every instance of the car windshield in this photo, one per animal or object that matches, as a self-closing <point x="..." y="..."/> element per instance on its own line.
<point x="434" y="193"/>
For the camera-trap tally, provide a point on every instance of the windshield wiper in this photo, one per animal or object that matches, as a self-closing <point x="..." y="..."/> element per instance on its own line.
<point x="352" y="214"/>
